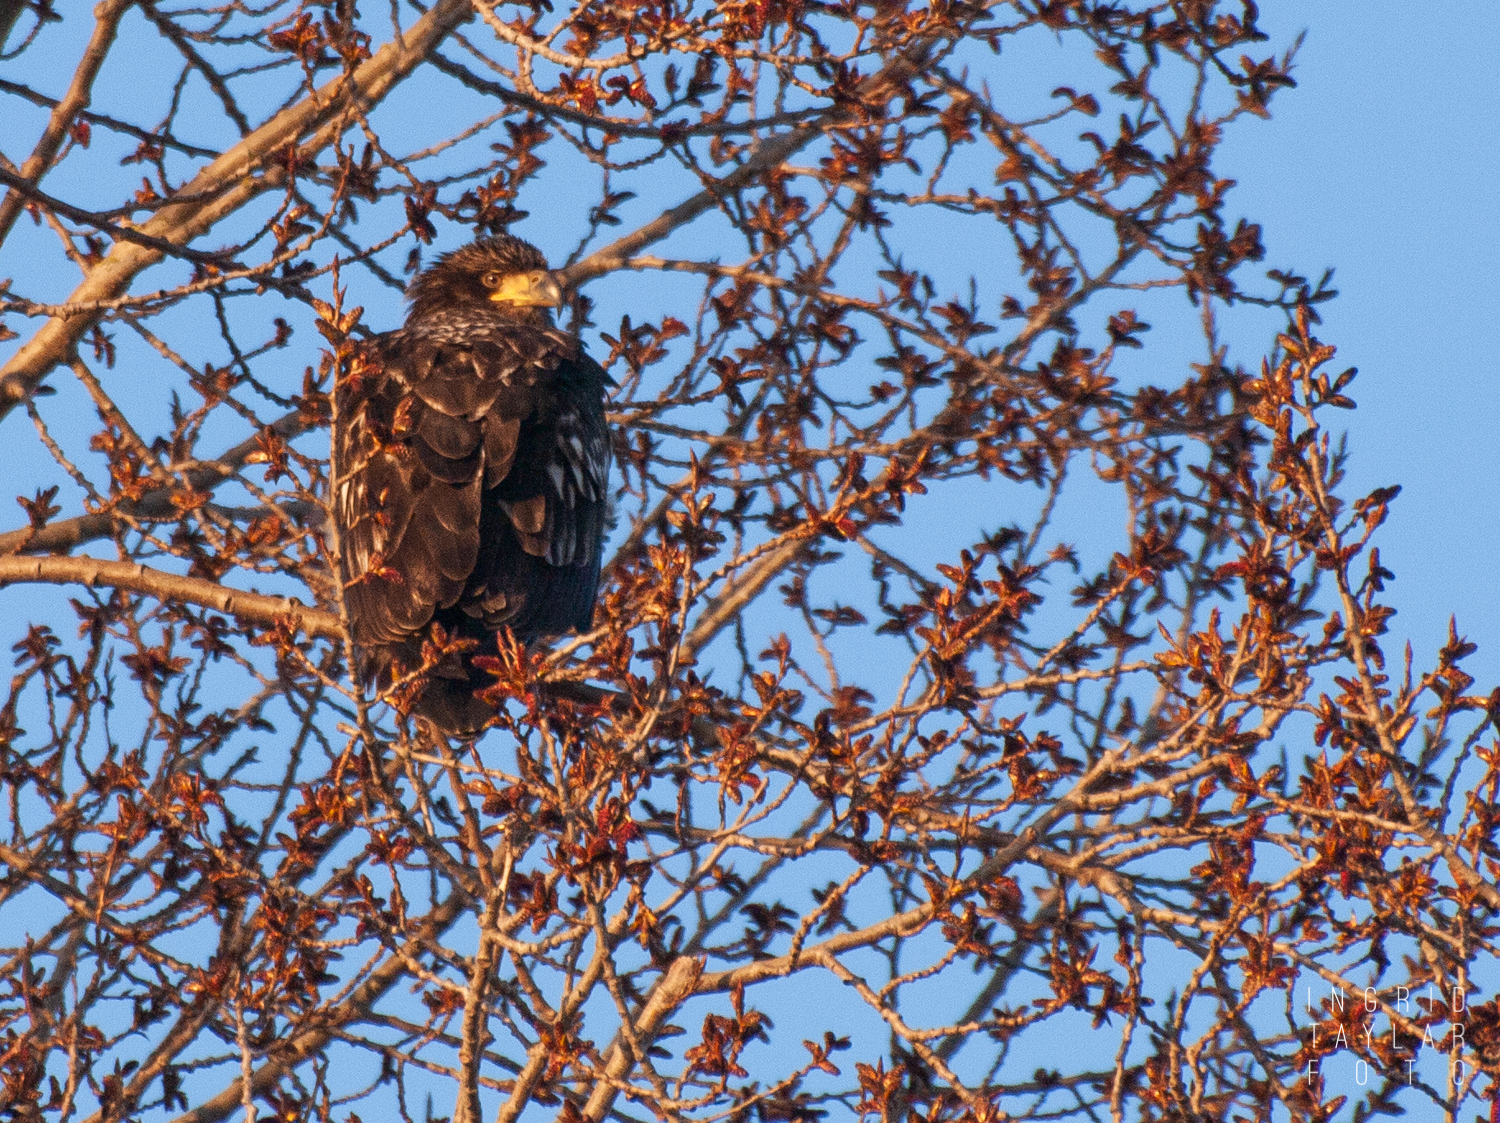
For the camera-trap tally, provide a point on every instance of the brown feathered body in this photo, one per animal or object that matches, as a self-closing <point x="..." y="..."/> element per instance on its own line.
<point x="472" y="462"/>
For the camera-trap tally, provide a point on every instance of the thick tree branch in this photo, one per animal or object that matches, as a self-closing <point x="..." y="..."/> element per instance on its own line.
<point x="133" y="577"/>
<point x="253" y="166"/>
<point x="768" y="154"/>
<point x="106" y="20"/>
<point x="671" y="991"/>
<point x="737" y="593"/>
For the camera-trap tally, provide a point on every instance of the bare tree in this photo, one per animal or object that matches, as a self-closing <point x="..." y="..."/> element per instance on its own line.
<point x="986" y="715"/>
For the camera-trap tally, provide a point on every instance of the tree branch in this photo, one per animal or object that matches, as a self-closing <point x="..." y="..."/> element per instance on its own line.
<point x="287" y="1055"/>
<point x="250" y="168"/>
<point x="913" y="919"/>
<point x="768" y="154"/>
<point x="23" y="188"/>
<point x="107" y="19"/>
<point x="671" y="991"/>
<point x="60" y="537"/>
<point x="136" y="578"/>
<point x="10" y="11"/>
<point x="737" y="593"/>
<point x="112" y="123"/>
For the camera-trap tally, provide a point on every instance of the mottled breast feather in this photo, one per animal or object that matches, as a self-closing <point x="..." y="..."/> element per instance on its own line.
<point x="472" y="464"/>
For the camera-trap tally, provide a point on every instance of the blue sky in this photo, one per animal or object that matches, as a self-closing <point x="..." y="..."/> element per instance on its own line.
<point x="1396" y="103"/>
<point x="1393" y="104"/>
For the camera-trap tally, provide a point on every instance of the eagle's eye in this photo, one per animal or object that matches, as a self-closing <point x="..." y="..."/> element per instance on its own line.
<point x="490" y="280"/>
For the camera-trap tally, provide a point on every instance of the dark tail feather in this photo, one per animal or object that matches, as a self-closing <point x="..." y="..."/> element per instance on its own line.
<point x="561" y="599"/>
<point x="451" y="705"/>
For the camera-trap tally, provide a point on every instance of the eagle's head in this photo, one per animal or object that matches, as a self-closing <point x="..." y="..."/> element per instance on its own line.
<point x="500" y="275"/>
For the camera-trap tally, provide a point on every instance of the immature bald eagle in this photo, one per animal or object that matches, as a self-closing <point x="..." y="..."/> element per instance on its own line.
<point x="471" y="458"/>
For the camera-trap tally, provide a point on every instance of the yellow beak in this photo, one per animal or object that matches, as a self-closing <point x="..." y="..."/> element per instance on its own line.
<point x="537" y="289"/>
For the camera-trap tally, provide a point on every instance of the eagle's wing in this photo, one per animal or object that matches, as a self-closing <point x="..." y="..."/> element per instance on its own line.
<point x="542" y="534"/>
<point x="472" y="463"/>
